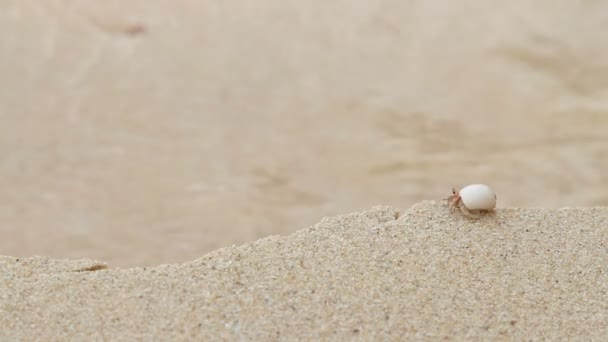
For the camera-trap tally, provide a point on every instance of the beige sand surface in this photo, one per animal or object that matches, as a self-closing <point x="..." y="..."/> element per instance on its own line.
<point x="517" y="274"/>
<point x="149" y="132"/>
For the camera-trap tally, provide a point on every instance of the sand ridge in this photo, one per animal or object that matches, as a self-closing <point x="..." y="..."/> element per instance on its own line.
<point x="380" y="274"/>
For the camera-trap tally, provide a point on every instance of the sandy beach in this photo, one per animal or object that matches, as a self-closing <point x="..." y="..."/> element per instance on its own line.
<point x="422" y="274"/>
<point x="160" y="162"/>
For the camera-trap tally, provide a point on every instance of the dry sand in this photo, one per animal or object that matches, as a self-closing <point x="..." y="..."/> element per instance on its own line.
<point x="425" y="274"/>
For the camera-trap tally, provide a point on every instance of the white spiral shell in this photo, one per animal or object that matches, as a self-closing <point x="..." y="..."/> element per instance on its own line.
<point x="478" y="197"/>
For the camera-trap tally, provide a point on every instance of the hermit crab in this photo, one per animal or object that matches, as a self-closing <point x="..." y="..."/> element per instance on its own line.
<point x="472" y="200"/>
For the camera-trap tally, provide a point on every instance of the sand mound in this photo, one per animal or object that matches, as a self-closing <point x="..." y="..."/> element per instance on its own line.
<point x="517" y="274"/>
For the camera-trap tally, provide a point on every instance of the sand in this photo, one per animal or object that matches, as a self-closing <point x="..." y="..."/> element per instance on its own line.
<point x="143" y="133"/>
<point x="515" y="274"/>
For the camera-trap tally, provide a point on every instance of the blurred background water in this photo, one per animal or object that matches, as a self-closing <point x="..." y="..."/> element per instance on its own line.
<point x="146" y="132"/>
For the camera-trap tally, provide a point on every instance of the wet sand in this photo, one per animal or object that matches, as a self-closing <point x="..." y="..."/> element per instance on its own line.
<point x="143" y="134"/>
<point x="516" y="274"/>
